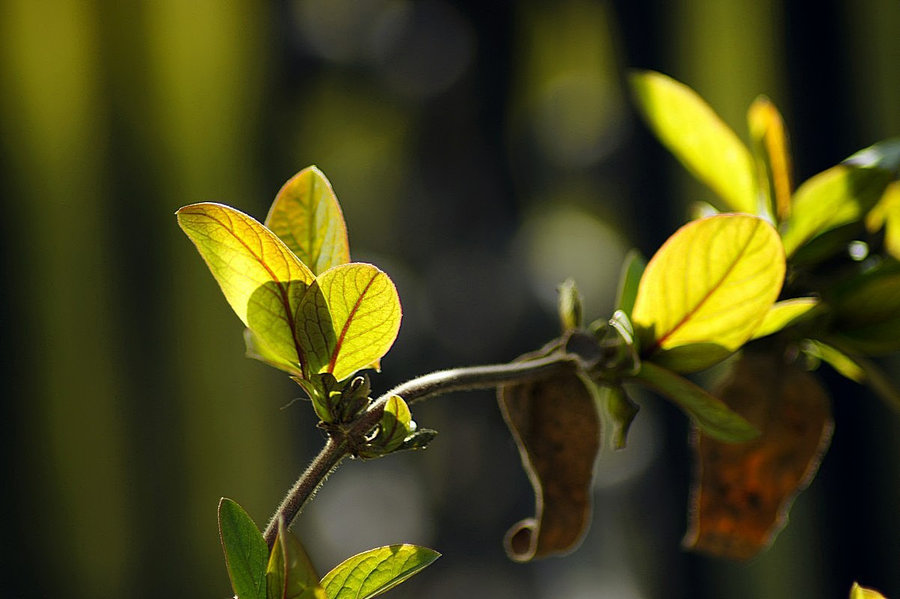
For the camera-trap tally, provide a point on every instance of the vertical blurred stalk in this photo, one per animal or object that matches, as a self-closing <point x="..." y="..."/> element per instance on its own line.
<point x="206" y="73"/>
<point x="730" y="52"/>
<point x="55" y="139"/>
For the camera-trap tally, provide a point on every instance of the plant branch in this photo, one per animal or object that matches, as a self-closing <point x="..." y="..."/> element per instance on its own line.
<point x="430" y="385"/>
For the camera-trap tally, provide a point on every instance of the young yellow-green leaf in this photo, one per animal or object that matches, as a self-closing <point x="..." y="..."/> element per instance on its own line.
<point x="706" y="290"/>
<point x="785" y="313"/>
<point x="696" y="135"/>
<point x="376" y="571"/>
<point x="290" y="574"/>
<point x="307" y="217"/>
<point x="773" y="157"/>
<point x="841" y="195"/>
<point x="886" y="215"/>
<point x="257" y="349"/>
<point x="858" y="592"/>
<point x="712" y="415"/>
<point x="365" y="312"/>
<point x="245" y="551"/>
<point x="261" y="278"/>
<point x="569" y="306"/>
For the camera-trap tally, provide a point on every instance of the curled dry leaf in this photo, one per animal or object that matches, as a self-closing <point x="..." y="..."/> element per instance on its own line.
<point x="743" y="491"/>
<point x="555" y="424"/>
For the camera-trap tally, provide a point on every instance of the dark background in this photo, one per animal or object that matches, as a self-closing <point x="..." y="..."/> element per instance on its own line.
<point x="483" y="152"/>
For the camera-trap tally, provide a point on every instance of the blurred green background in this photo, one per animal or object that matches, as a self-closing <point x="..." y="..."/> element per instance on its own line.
<point x="483" y="151"/>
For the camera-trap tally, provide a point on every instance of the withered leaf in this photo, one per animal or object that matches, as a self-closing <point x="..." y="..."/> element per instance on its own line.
<point x="742" y="492"/>
<point x="555" y="424"/>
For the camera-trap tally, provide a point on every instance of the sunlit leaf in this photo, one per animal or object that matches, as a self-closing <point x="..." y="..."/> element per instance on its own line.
<point x="785" y="313"/>
<point x="307" y="217"/>
<point x="395" y="426"/>
<point x="867" y="316"/>
<point x="257" y="349"/>
<point x="773" y="156"/>
<point x="696" y="135"/>
<point x="365" y="312"/>
<point x="376" y="571"/>
<point x="841" y="362"/>
<point x="246" y="552"/>
<point x="713" y="416"/>
<point x="858" y="592"/>
<point x="290" y="574"/>
<point x="886" y="215"/>
<point x="706" y="290"/>
<point x="843" y="194"/>
<point x="556" y="427"/>
<point x="632" y="268"/>
<point x="742" y="492"/>
<point x="261" y="278"/>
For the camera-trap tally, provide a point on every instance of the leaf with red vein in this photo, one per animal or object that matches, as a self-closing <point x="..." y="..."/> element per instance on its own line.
<point x="707" y="289"/>
<point x="365" y="313"/>
<point x="260" y="277"/>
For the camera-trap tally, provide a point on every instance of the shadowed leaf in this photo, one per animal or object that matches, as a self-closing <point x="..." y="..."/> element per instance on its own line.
<point x="307" y="217"/>
<point x="260" y="277"/>
<point x="706" y="290"/>
<point x="618" y="412"/>
<point x="868" y="314"/>
<point x="365" y="312"/>
<point x="555" y="424"/>
<point x="290" y="574"/>
<point x="695" y="134"/>
<point x="742" y="492"/>
<point x="245" y="551"/>
<point x="773" y="157"/>
<point x="629" y="280"/>
<point x="712" y="415"/>
<point x="376" y="571"/>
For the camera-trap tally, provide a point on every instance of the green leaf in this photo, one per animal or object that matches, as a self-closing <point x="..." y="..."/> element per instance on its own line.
<point x="841" y="195"/>
<point x="785" y="313"/>
<point x="693" y="132"/>
<point x="632" y="269"/>
<point x="569" y="306"/>
<point x="884" y="155"/>
<point x="395" y="427"/>
<point x="617" y="412"/>
<point x="365" y="312"/>
<point x="307" y="217"/>
<point x="706" y="290"/>
<point x="376" y="571"/>
<point x="858" y="592"/>
<point x="886" y="215"/>
<point x="261" y="278"/>
<point x="245" y="551"/>
<point x="867" y="316"/>
<point x="857" y="369"/>
<point x="773" y="158"/>
<point x="714" y="417"/>
<point x="255" y="348"/>
<point x="290" y="574"/>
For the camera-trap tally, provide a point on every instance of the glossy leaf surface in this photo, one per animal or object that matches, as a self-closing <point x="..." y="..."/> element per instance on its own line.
<point x="773" y="156"/>
<point x="785" y="313"/>
<point x="696" y="135"/>
<point x="260" y="277"/>
<point x="556" y="427"/>
<point x="742" y="492"/>
<point x="713" y="416"/>
<point x="376" y="571"/>
<point x="290" y="574"/>
<point x="838" y="196"/>
<point x="706" y="290"/>
<point x="365" y="312"/>
<point x="246" y="552"/>
<point x="307" y="217"/>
